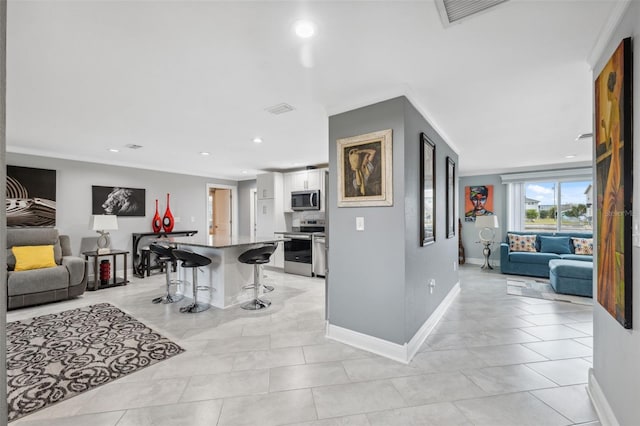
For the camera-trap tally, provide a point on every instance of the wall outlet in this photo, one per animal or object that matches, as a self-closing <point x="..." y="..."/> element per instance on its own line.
<point x="455" y="265"/>
<point x="432" y="285"/>
<point x="176" y="219"/>
<point x="359" y="223"/>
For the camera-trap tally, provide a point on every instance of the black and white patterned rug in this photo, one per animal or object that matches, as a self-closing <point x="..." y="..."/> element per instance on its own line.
<point x="54" y="357"/>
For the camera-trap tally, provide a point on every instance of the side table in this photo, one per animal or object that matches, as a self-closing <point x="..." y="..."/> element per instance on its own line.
<point x="115" y="280"/>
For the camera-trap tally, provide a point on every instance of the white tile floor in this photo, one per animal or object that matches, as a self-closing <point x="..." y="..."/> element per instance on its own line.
<point x="494" y="359"/>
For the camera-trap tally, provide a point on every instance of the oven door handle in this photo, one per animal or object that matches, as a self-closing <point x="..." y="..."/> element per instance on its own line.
<point x="297" y="237"/>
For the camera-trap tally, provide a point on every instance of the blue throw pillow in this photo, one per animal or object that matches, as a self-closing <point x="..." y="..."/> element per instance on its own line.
<point x="558" y="245"/>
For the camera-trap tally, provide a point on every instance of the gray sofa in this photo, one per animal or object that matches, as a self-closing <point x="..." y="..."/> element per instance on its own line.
<point x="37" y="286"/>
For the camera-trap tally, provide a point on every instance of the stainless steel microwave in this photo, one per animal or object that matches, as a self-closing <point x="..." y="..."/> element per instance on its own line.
<point x="305" y="200"/>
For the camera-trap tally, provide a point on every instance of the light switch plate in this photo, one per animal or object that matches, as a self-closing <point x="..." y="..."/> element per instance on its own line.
<point x="359" y="223"/>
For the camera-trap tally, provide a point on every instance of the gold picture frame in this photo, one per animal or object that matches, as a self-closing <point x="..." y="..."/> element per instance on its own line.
<point x="365" y="172"/>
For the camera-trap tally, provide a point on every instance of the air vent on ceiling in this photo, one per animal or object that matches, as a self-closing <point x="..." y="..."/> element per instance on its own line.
<point x="452" y="11"/>
<point x="279" y="109"/>
<point x="133" y="146"/>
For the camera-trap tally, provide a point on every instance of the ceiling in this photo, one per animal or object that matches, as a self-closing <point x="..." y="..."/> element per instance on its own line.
<point x="507" y="89"/>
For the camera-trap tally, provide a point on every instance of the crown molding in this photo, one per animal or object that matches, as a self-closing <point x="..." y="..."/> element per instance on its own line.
<point x="615" y="17"/>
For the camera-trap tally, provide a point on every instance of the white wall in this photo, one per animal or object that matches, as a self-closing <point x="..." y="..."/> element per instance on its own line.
<point x="616" y="357"/>
<point x="73" y="196"/>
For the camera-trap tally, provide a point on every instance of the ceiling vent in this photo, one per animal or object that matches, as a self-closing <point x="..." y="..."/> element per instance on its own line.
<point x="453" y="11"/>
<point x="133" y="146"/>
<point x="279" y="109"/>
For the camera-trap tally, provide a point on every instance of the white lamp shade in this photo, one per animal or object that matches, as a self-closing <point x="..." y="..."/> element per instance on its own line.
<point x="103" y="222"/>
<point x="490" y="221"/>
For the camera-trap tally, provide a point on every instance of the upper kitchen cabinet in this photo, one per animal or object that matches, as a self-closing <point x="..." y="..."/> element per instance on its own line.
<point x="268" y="184"/>
<point x="302" y="181"/>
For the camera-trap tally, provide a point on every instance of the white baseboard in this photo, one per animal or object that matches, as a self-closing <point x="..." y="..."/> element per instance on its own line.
<point x="477" y="261"/>
<point x="421" y="335"/>
<point x="401" y="353"/>
<point x="600" y="403"/>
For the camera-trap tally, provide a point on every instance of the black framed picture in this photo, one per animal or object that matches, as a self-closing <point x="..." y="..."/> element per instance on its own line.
<point x="427" y="190"/>
<point x="451" y="198"/>
<point x="118" y="201"/>
<point x="31" y="197"/>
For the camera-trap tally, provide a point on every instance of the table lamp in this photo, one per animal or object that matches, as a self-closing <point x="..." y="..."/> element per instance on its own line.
<point x="101" y="223"/>
<point x="487" y="225"/>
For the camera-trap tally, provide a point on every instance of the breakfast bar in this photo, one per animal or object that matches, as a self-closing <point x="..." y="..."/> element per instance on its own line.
<point x="224" y="275"/>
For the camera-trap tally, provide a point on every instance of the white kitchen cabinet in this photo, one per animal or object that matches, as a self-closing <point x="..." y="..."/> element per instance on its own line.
<point x="270" y="211"/>
<point x="266" y="185"/>
<point x="302" y="181"/>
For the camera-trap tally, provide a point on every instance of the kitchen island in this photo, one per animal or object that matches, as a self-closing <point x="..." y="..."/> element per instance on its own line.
<point x="225" y="275"/>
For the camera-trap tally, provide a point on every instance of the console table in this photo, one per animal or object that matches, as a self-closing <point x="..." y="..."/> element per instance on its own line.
<point x="138" y="267"/>
<point x="96" y="270"/>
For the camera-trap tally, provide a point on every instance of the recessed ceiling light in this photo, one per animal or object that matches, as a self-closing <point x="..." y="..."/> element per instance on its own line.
<point x="257" y="140"/>
<point x="570" y="156"/>
<point x="113" y="150"/>
<point x="204" y="153"/>
<point x="244" y="172"/>
<point x="304" y="29"/>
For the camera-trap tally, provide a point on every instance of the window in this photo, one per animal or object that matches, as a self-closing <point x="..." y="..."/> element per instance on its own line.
<point x="550" y="201"/>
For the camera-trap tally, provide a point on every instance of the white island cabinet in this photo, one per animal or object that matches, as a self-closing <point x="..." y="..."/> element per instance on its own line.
<point x="224" y="275"/>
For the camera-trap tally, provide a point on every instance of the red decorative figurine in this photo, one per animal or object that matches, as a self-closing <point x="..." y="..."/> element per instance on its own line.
<point x="167" y="220"/>
<point x="156" y="223"/>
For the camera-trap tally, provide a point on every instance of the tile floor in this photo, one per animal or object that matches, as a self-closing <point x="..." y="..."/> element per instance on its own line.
<point x="494" y="359"/>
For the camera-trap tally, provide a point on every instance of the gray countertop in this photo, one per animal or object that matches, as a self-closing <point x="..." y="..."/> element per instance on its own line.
<point x="217" y="242"/>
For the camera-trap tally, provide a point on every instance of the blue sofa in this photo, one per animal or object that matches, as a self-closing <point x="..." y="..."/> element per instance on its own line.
<point x="537" y="264"/>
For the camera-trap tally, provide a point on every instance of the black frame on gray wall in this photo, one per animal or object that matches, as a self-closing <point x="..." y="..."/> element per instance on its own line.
<point x="427" y="185"/>
<point x="451" y="198"/>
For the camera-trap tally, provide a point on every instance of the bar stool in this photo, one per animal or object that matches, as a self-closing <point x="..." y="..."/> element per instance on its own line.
<point x="256" y="257"/>
<point x="193" y="260"/>
<point x="166" y="258"/>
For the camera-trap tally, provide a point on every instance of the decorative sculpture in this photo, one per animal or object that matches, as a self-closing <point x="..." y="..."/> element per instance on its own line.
<point x="156" y="223"/>
<point x="167" y="220"/>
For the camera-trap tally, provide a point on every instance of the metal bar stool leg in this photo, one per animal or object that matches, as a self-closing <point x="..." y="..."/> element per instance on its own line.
<point x="256" y="303"/>
<point x="168" y="297"/>
<point x="195" y="307"/>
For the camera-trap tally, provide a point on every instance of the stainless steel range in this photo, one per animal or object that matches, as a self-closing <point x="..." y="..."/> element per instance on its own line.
<point x="299" y="250"/>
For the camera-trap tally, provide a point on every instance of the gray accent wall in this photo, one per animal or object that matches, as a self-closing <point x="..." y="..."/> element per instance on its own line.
<point x="377" y="277"/>
<point x="73" y="197"/>
<point x="616" y="351"/>
<point x="470" y="234"/>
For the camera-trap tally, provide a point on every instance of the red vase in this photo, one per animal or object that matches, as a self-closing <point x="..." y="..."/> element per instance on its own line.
<point x="156" y="222"/>
<point x="167" y="220"/>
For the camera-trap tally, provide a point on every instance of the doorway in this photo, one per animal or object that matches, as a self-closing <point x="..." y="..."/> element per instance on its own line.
<point x="220" y="212"/>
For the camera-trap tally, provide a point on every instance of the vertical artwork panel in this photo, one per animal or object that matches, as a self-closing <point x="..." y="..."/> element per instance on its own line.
<point x="614" y="157"/>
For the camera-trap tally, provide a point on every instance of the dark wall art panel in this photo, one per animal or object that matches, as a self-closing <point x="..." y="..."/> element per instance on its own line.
<point x="31" y="197"/>
<point x="118" y="201"/>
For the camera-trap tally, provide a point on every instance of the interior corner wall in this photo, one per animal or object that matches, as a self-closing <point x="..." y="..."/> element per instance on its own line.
<point x="244" y="206"/>
<point x="616" y="351"/>
<point x="366" y="268"/>
<point x="73" y="197"/>
<point x="470" y="238"/>
<point x="436" y="261"/>
<point x="3" y="219"/>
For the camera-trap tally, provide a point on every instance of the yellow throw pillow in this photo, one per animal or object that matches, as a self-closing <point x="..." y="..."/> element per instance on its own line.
<point x="33" y="257"/>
